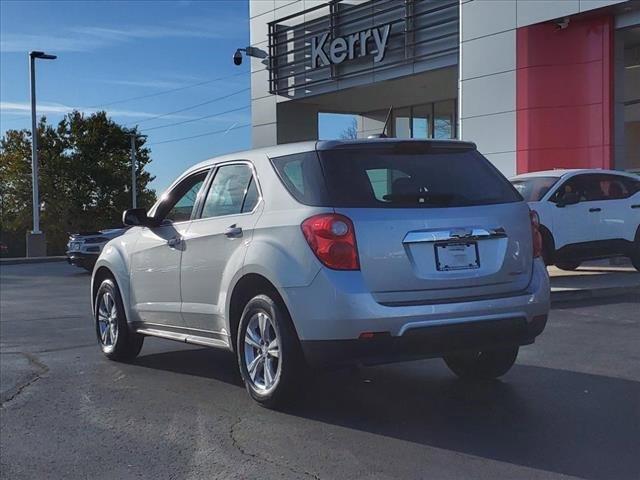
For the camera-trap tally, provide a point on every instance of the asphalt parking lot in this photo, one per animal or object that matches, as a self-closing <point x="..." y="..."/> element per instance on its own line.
<point x="569" y="408"/>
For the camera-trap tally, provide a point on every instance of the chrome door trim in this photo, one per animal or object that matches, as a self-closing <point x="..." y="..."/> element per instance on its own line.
<point x="208" y="338"/>
<point x="454" y="234"/>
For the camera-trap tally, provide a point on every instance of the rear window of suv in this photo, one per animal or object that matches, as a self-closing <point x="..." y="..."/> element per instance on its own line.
<point x="392" y="177"/>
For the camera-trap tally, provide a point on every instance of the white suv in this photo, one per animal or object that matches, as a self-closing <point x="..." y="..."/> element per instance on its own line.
<point x="584" y="214"/>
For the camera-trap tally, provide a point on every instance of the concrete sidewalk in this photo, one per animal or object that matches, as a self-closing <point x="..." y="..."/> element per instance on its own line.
<point x="19" y="260"/>
<point x="593" y="280"/>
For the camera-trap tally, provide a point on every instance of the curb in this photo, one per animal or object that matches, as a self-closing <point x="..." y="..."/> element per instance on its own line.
<point x="21" y="260"/>
<point x="562" y="296"/>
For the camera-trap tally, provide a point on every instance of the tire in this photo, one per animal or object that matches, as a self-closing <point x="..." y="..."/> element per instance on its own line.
<point x="116" y="340"/>
<point x="635" y="258"/>
<point x="271" y="374"/>
<point x="569" y="266"/>
<point x="547" y="247"/>
<point x="487" y="364"/>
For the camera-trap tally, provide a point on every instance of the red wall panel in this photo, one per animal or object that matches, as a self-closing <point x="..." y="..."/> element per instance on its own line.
<point x="564" y="95"/>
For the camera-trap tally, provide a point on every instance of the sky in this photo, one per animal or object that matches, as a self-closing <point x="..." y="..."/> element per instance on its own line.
<point x="112" y="53"/>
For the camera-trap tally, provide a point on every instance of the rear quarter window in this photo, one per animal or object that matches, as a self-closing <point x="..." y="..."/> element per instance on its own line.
<point x="302" y="177"/>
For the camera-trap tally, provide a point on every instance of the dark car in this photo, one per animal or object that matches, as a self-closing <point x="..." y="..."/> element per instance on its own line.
<point x="84" y="248"/>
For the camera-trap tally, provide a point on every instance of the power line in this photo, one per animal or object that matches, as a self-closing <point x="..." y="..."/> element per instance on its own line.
<point x="163" y="92"/>
<point x="197" y="119"/>
<point x="191" y="107"/>
<point x="25" y="116"/>
<point x="201" y="135"/>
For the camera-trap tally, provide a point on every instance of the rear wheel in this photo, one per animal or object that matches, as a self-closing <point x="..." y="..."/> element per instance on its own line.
<point x="569" y="266"/>
<point x="116" y="341"/>
<point x="268" y="352"/>
<point x="485" y="364"/>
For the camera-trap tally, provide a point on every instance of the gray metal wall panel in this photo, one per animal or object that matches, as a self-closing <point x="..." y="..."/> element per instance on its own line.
<point x="423" y="36"/>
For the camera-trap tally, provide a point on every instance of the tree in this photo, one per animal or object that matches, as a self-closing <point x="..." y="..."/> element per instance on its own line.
<point x="351" y="132"/>
<point x="85" y="176"/>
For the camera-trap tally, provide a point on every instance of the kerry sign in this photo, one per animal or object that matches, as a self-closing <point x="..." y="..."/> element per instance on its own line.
<point x="315" y="50"/>
<point x="355" y="45"/>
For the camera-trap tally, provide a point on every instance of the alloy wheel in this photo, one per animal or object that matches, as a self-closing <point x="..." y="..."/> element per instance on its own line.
<point x="107" y="320"/>
<point x="262" y="352"/>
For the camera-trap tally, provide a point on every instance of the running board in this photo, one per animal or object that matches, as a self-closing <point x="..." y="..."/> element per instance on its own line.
<point x="181" y="337"/>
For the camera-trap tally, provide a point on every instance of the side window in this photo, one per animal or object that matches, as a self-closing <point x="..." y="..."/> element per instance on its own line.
<point x="228" y="191"/>
<point x="586" y="187"/>
<point x="292" y="170"/>
<point x="252" y="197"/>
<point x="181" y="200"/>
<point x="632" y="185"/>
<point x="616" y="188"/>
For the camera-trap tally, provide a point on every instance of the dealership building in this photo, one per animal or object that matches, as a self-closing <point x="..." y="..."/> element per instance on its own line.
<point x="536" y="84"/>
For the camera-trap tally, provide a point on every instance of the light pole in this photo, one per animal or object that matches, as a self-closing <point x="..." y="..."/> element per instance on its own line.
<point x="134" y="190"/>
<point x="36" y="244"/>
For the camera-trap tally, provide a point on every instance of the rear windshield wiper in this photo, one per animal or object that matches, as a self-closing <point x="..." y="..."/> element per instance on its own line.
<point x="443" y="199"/>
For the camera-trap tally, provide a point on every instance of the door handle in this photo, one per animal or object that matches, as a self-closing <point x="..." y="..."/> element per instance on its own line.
<point x="233" y="231"/>
<point x="635" y="206"/>
<point x="174" y="242"/>
<point x="595" y="209"/>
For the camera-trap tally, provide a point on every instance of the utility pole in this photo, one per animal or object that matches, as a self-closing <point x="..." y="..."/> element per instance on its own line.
<point x="36" y="243"/>
<point x="134" y="192"/>
<point x="134" y="189"/>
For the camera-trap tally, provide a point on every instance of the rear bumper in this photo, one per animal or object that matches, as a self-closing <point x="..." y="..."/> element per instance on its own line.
<point x="425" y="342"/>
<point x="331" y="314"/>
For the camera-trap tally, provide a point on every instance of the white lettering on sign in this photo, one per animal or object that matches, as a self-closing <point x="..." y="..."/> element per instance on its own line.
<point x="348" y="47"/>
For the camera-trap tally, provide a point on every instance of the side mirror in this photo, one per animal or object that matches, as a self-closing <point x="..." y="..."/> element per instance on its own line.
<point x="570" y="198"/>
<point x="137" y="217"/>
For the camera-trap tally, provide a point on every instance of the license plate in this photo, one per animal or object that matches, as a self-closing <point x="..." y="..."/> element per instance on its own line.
<point x="457" y="256"/>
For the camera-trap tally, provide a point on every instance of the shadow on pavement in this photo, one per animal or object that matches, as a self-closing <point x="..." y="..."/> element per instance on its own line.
<point x="203" y="362"/>
<point x="554" y="420"/>
<point x="594" y="302"/>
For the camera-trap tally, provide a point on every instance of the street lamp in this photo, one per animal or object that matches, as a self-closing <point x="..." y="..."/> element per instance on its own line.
<point x="134" y="191"/>
<point x="36" y="244"/>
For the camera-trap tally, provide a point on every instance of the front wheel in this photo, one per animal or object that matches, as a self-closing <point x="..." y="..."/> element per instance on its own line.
<point x="116" y="341"/>
<point x="485" y="364"/>
<point x="268" y="352"/>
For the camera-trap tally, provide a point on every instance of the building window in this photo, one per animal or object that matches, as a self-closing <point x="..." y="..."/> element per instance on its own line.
<point x="421" y="121"/>
<point x="444" y="120"/>
<point x="402" y="122"/>
<point x="431" y="120"/>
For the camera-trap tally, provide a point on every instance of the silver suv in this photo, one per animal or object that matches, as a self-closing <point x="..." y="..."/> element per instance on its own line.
<point x="330" y="253"/>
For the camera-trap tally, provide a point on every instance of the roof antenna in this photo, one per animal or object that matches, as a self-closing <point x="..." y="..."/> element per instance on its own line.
<point x="384" y="127"/>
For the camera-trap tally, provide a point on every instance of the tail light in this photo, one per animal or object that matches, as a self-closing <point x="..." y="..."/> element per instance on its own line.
<point x="333" y="240"/>
<point x="536" y="239"/>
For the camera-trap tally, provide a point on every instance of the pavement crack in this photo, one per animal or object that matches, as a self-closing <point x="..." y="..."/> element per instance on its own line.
<point x="33" y="360"/>
<point x="236" y="444"/>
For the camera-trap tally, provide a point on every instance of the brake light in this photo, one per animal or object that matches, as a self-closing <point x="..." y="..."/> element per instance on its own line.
<point x="536" y="239"/>
<point x="333" y="240"/>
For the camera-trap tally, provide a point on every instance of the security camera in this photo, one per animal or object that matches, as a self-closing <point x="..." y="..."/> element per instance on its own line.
<point x="237" y="57"/>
